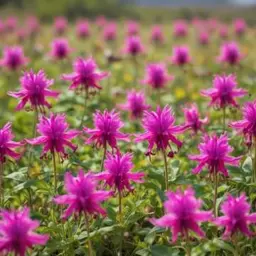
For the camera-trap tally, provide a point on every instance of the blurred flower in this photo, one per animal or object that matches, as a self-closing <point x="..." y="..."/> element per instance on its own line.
<point x="33" y="25"/>
<point x="223" y="31"/>
<point x="136" y="104"/>
<point x="212" y="24"/>
<point x="193" y="120"/>
<point x="203" y="38"/>
<point x="180" y="28"/>
<point x="156" y="75"/>
<point x="17" y="232"/>
<point x="224" y="91"/>
<point x="82" y="29"/>
<point x="13" y="58"/>
<point x="82" y="196"/>
<point x="101" y="21"/>
<point x="118" y="173"/>
<point x="106" y="131"/>
<point x="157" y="34"/>
<point x="7" y="145"/>
<point x="60" y="25"/>
<point x="239" y="26"/>
<point x="247" y="125"/>
<point x="214" y="153"/>
<point x="55" y="135"/>
<point x="236" y="217"/>
<point x="2" y="27"/>
<point x="85" y="74"/>
<point x="230" y="53"/>
<point x="160" y="130"/>
<point x="110" y="31"/>
<point x="182" y="214"/>
<point x="180" y="56"/>
<point x="34" y="89"/>
<point x="133" y="46"/>
<point x="11" y="23"/>
<point x="60" y="48"/>
<point x="21" y="35"/>
<point x="132" y="28"/>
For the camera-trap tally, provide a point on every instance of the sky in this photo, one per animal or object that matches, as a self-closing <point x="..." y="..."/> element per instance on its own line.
<point x="244" y="1"/>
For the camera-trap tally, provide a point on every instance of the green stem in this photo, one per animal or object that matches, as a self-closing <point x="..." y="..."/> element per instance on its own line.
<point x="215" y="193"/>
<point x="88" y="235"/>
<point x="165" y="170"/>
<point x="86" y="96"/>
<point x="121" y="220"/>
<point x="188" y="249"/>
<point x="55" y="171"/>
<point x="224" y="119"/>
<point x="103" y="158"/>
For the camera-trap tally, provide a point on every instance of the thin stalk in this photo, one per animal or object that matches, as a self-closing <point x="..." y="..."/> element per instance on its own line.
<point x="103" y="158"/>
<point x="86" y="96"/>
<point x="224" y="119"/>
<point x="215" y="193"/>
<point x="165" y="170"/>
<point x="88" y="235"/>
<point x="1" y="183"/>
<point x="55" y="171"/>
<point x="121" y="220"/>
<point x="254" y="168"/>
<point x="188" y="249"/>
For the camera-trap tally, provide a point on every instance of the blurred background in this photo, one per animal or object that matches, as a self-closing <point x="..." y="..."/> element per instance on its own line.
<point x="147" y="10"/>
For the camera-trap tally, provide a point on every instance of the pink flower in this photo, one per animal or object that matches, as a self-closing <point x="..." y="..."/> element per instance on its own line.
<point x="7" y="145"/>
<point x="193" y="120"/>
<point x="33" y="25"/>
<point x="118" y="173"/>
<point x="156" y="75"/>
<point x="160" y="130"/>
<point x="224" y="91"/>
<point x="247" y="125"/>
<point x="13" y="58"/>
<point x="21" y="35"/>
<point x="17" y="232"/>
<point x="60" y="25"/>
<point x="223" y="31"/>
<point x="85" y="74"/>
<point x="35" y="89"/>
<point x="82" y="196"/>
<point x="157" y="34"/>
<point x="133" y="28"/>
<point x="182" y="214"/>
<point x="106" y="131"/>
<point x="2" y="27"/>
<point x="110" y="31"/>
<point x="180" y="28"/>
<point x="133" y="46"/>
<point x="203" y="38"/>
<point x="180" y="56"/>
<point x="60" y="49"/>
<point x="101" y="21"/>
<point x="230" y="53"/>
<point x="55" y="135"/>
<point x="239" y="26"/>
<point x="82" y="29"/>
<point x="236" y="217"/>
<point x="11" y="23"/>
<point x="136" y="104"/>
<point x="212" y="24"/>
<point x="214" y="153"/>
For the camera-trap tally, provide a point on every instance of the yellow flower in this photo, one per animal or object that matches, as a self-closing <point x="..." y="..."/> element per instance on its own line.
<point x="194" y="96"/>
<point x="35" y="170"/>
<point x="180" y="93"/>
<point x="127" y="77"/>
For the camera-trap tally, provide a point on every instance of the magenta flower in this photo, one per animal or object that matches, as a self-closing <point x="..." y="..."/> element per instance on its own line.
<point x="2" y="27"/>
<point x="11" y="23"/>
<point x="247" y="125"/>
<point x="55" y="135"/>
<point x="214" y="153"/>
<point x="13" y="58"/>
<point x="33" y="25"/>
<point x="7" y="145"/>
<point x="21" y="35"/>
<point x="17" y="232"/>
<point x="180" y="28"/>
<point x="136" y="104"/>
<point x="157" y="76"/>
<point x="180" y="56"/>
<point x="223" y="31"/>
<point x="60" y="25"/>
<point x="182" y="214"/>
<point x="193" y="120"/>
<point x="106" y="131"/>
<point x="160" y="130"/>
<point x="230" y="53"/>
<point x="101" y="21"/>
<point x="203" y="38"/>
<point x="118" y="173"/>
<point x="85" y="74"/>
<point x="157" y="34"/>
<point x="133" y="28"/>
<point x="34" y="89"/>
<point x="224" y="91"/>
<point x="212" y="24"/>
<point x="110" y="31"/>
<point x="82" y="196"/>
<point x="236" y="217"/>
<point x="82" y="29"/>
<point x="133" y="46"/>
<point x="239" y="26"/>
<point x="60" y="49"/>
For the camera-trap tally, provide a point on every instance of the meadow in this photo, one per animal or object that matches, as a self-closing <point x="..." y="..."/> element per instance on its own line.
<point x="119" y="137"/>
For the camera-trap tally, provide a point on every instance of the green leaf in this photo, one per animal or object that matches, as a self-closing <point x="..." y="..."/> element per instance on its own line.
<point x="162" y="250"/>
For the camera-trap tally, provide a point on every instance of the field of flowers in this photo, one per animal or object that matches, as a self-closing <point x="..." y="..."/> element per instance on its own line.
<point x="125" y="138"/>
